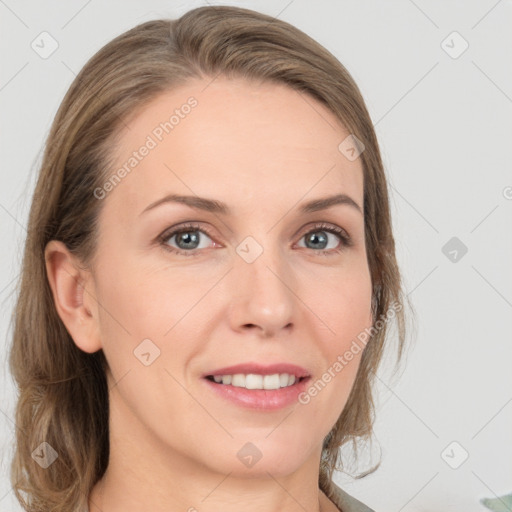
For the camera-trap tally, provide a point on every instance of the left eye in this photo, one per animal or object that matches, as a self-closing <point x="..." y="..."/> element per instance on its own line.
<point x="321" y="237"/>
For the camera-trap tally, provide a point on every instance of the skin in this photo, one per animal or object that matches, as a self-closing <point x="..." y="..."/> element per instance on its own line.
<point x="263" y="149"/>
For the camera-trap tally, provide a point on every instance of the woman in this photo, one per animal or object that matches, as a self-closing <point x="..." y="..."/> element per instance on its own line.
<point x="208" y="277"/>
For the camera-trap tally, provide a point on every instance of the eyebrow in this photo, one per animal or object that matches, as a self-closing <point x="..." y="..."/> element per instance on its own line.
<point x="214" y="206"/>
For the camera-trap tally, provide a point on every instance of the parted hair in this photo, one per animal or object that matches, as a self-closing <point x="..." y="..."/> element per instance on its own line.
<point x="62" y="391"/>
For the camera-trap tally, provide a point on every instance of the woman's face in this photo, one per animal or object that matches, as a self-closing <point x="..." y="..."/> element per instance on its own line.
<point x="260" y="282"/>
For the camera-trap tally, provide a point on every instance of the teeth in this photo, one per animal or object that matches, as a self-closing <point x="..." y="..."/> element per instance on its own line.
<point x="238" y="380"/>
<point x="255" y="381"/>
<point x="272" y="381"/>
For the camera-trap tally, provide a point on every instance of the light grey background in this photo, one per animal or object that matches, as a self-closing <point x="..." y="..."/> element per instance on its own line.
<point x="445" y="129"/>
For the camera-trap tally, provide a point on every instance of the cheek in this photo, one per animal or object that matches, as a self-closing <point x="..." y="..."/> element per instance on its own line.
<point x="140" y="302"/>
<point x="150" y="310"/>
<point x="131" y="311"/>
<point x="344" y="305"/>
<point x="137" y="309"/>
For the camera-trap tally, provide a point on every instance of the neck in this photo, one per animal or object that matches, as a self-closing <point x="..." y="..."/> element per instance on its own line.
<point x="104" y="498"/>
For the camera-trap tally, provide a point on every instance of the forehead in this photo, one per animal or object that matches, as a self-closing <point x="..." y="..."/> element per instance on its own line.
<point x="263" y="140"/>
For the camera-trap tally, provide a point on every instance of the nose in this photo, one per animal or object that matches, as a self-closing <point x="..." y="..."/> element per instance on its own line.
<point x="263" y="298"/>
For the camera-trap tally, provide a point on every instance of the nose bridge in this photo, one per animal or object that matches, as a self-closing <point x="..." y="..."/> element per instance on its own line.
<point x="263" y="281"/>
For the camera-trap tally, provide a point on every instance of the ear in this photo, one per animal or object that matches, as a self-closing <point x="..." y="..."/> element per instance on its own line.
<point x="74" y="296"/>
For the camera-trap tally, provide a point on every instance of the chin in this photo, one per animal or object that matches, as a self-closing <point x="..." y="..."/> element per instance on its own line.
<point x="255" y="457"/>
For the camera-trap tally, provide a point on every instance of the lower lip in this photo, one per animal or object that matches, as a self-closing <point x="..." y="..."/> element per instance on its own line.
<point x="263" y="399"/>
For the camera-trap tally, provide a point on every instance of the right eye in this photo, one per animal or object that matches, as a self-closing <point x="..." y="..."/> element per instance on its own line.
<point x="187" y="238"/>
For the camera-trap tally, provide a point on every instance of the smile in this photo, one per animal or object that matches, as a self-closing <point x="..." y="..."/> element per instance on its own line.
<point x="256" y="381"/>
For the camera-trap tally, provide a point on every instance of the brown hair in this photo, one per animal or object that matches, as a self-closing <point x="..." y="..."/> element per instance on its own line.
<point x="63" y="393"/>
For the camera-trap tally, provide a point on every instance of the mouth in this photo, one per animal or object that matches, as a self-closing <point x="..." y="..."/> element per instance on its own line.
<point x="257" y="386"/>
<point x="257" y="381"/>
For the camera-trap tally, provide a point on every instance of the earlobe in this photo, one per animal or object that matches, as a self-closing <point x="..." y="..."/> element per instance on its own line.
<point x="73" y="296"/>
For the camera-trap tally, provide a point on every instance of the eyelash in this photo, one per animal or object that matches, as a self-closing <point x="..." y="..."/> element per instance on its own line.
<point x="344" y="237"/>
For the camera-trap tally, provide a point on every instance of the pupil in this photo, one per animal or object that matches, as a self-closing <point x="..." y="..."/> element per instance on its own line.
<point x="189" y="239"/>
<point x="323" y="239"/>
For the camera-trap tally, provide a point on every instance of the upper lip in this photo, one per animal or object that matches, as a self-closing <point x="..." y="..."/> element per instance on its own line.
<point x="260" y="369"/>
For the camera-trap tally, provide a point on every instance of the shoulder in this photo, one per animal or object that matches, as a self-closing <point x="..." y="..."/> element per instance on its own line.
<point x="347" y="503"/>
